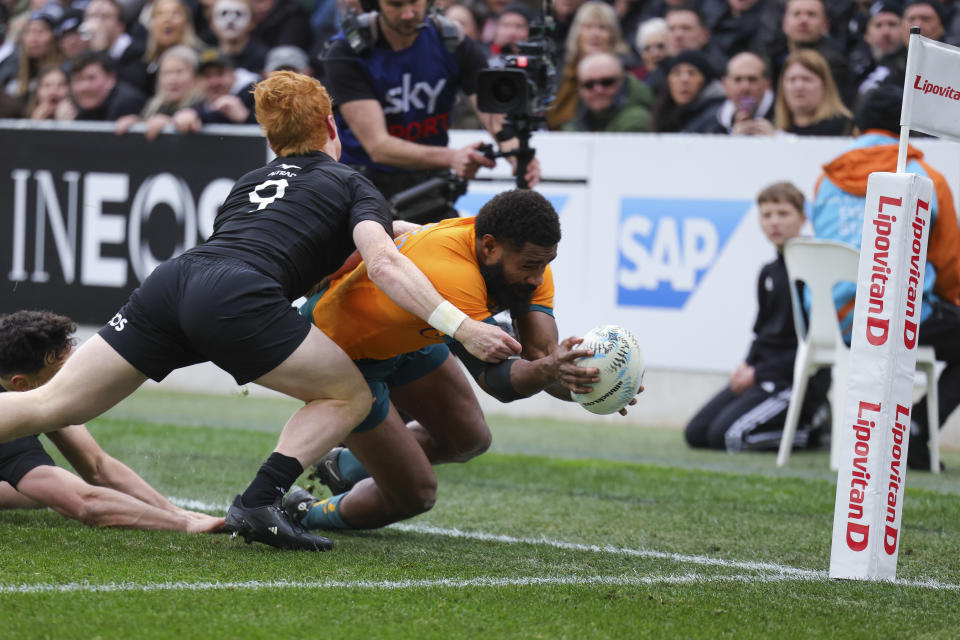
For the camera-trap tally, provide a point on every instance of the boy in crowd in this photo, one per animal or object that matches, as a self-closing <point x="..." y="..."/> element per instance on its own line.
<point x="749" y="413"/>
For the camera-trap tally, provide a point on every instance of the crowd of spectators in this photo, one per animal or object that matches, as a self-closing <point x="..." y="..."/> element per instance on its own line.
<point x="739" y="67"/>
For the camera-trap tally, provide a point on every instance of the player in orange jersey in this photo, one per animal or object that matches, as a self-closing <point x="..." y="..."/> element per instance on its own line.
<point x="496" y="261"/>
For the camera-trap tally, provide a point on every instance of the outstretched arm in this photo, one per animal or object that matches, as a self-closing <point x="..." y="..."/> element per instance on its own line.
<point x="398" y="277"/>
<point x="70" y="496"/>
<point x="548" y="364"/>
<point x="99" y="468"/>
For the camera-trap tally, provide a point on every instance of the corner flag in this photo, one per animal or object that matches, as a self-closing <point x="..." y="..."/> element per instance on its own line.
<point x="931" y="96"/>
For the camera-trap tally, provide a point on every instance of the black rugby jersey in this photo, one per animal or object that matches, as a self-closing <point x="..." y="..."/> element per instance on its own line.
<point x="293" y="219"/>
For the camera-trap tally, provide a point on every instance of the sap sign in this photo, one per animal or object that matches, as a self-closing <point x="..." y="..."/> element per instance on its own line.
<point x="667" y="246"/>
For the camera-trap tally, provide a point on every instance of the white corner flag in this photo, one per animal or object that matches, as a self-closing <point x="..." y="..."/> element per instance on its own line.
<point x="931" y="90"/>
<point x="879" y="395"/>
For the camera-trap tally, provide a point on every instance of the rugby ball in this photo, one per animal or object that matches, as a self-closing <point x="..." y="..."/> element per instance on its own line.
<point x="618" y="356"/>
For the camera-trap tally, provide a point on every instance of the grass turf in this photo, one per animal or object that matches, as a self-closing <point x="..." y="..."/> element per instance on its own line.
<point x="544" y="483"/>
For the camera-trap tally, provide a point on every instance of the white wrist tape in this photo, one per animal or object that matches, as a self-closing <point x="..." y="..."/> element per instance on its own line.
<point x="446" y="318"/>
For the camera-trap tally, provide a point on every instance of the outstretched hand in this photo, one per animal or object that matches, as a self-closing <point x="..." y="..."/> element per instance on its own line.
<point x="632" y="402"/>
<point x="566" y="370"/>
<point x="485" y="341"/>
<point x="203" y="523"/>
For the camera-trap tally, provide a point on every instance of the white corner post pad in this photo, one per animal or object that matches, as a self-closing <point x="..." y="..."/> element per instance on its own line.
<point x="876" y="426"/>
<point x="446" y="318"/>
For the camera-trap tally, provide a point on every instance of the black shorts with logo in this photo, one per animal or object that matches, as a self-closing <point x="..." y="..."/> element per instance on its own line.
<point x="21" y="456"/>
<point x="192" y="309"/>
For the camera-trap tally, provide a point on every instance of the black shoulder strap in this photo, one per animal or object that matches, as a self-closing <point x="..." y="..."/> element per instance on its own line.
<point x="360" y="31"/>
<point x="449" y="31"/>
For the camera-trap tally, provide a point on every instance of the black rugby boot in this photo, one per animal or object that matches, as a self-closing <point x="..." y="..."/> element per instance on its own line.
<point x="327" y="473"/>
<point x="297" y="502"/>
<point x="270" y="525"/>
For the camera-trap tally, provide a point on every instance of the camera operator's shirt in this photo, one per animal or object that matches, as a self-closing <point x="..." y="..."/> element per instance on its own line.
<point x="416" y="87"/>
<point x="365" y="323"/>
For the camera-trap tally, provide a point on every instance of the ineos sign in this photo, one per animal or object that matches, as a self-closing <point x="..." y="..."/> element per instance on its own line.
<point x="107" y="215"/>
<point x="86" y="215"/>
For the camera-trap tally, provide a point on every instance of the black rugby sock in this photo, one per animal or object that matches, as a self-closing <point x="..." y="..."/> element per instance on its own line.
<point x="274" y="479"/>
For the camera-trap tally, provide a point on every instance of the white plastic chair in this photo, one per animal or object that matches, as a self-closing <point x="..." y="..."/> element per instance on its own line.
<point x="820" y="265"/>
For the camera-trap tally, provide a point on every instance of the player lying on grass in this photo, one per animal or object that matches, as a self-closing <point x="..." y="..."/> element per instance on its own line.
<point x="498" y="260"/>
<point x="33" y="346"/>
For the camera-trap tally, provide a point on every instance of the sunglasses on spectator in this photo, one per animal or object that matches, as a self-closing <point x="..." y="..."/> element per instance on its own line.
<point x="606" y="83"/>
<point x="655" y="45"/>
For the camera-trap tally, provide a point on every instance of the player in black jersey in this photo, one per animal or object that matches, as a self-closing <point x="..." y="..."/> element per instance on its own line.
<point x="228" y="300"/>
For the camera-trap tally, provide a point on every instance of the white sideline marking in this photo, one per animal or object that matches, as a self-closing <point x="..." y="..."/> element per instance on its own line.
<point x="638" y="553"/>
<point x="255" y="585"/>
<point x="199" y="505"/>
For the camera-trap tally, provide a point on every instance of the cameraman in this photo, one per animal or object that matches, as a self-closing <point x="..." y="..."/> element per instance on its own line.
<point x="394" y="75"/>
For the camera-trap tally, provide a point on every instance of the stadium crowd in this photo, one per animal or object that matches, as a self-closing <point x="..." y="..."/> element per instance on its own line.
<point x="742" y="67"/>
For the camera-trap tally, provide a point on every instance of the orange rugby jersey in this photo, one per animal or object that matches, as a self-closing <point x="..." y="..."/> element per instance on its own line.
<point x="366" y="323"/>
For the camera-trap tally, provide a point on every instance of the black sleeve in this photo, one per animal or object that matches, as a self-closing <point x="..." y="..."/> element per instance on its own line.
<point x="367" y="203"/>
<point x="128" y="101"/>
<point x="470" y="59"/>
<point x="776" y="365"/>
<point x="474" y="365"/>
<point x="751" y="358"/>
<point x="246" y="97"/>
<point x="345" y="76"/>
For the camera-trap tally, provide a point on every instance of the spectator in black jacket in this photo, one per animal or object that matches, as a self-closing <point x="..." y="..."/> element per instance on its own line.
<point x="692" y="97"/>
<point x="97" y="92"/>
<point x="734" y="24"/>
<point x="748" y="414"/>
<point x="748" y="109"/>
<point x="103" y="22"/>
<point x="281" y="22"/>
<point x="882" y="43"/>
<point x="228" y="95"/>
<point x="688" y="31"/>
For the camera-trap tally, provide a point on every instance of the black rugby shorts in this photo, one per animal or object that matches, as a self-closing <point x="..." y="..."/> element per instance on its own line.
<point x="193" y="309"/>
<point x="21" y="456"/>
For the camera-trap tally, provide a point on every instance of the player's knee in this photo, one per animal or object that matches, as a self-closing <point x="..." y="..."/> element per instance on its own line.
<point x="476" y="443"/>
<point x="694" y="435"/>
<point x="95" y="507"/>
<point x="417" y="500"/>
<point x="479" y="445"/>
<point x="357" y="403"/>
<point x="85" y="509"/>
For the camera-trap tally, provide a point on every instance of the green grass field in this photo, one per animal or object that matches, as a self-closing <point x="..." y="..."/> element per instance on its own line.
<point x="562" y="530"/>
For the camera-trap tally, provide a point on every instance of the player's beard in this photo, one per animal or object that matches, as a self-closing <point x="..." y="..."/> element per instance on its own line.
<point x="506" y="295"/>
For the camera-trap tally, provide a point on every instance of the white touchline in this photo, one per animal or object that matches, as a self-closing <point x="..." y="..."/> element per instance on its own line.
<point x="639" y="553"/>
<point x="255" y="585"/>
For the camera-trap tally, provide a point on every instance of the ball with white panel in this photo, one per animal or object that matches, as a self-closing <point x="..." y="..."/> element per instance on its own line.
<point x="618" y="356"/>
